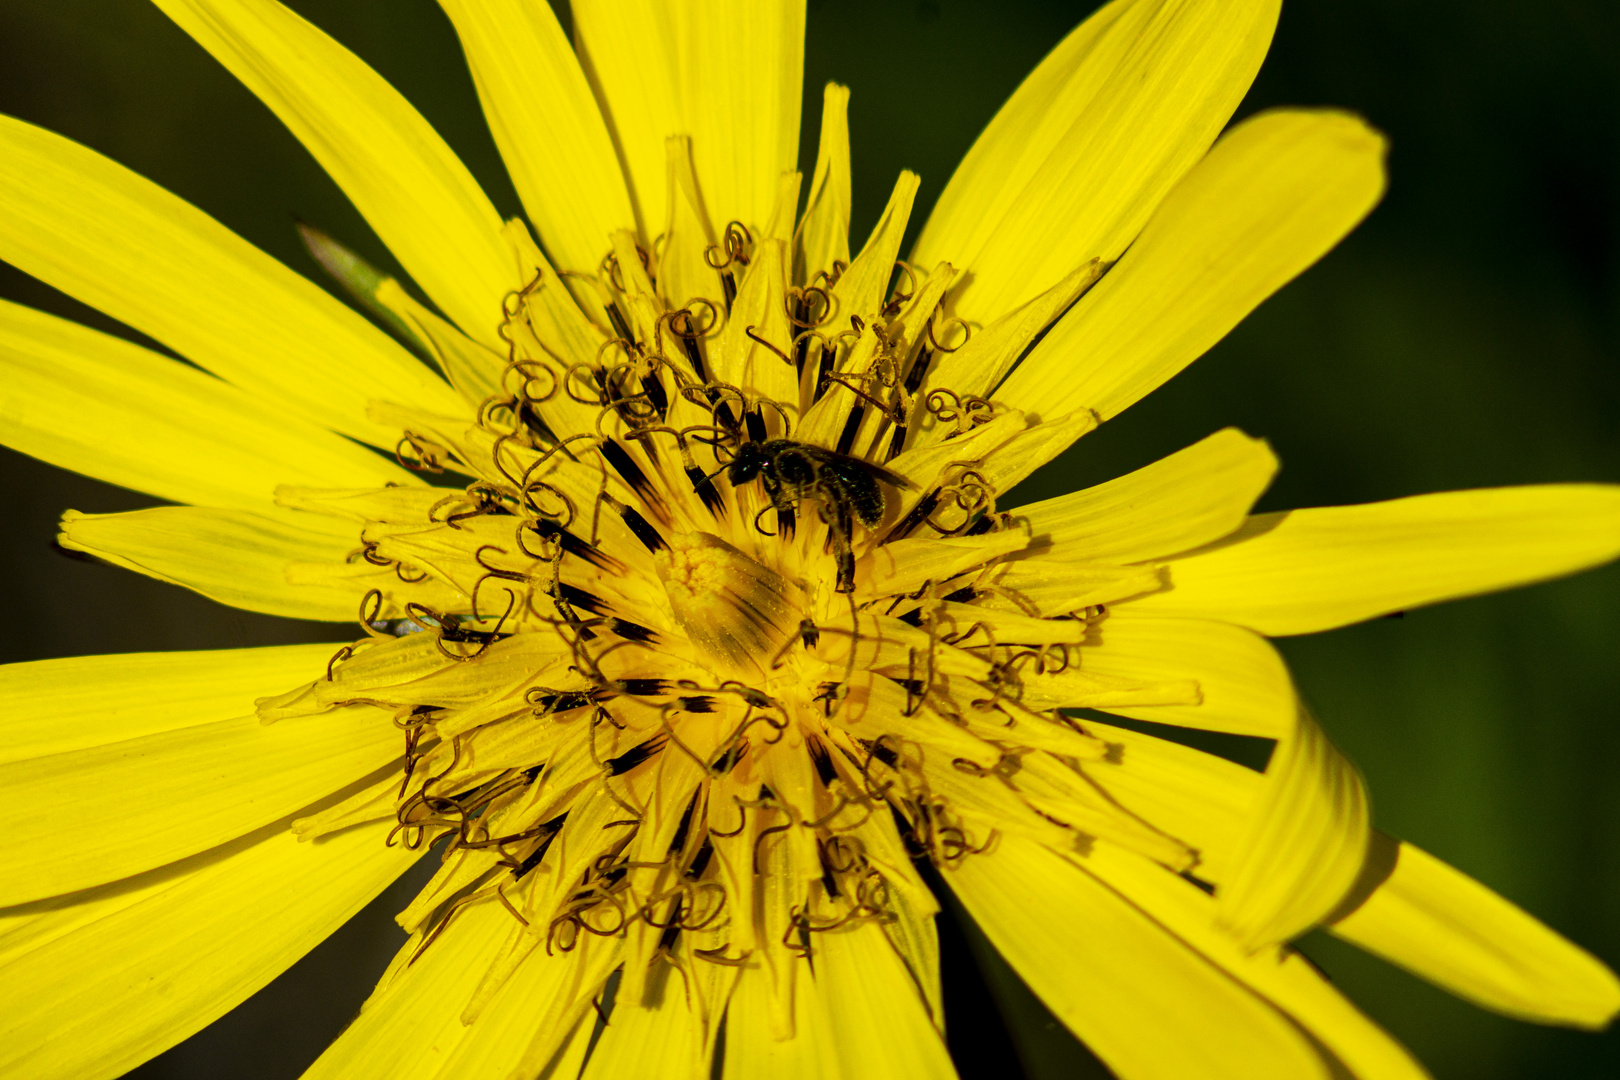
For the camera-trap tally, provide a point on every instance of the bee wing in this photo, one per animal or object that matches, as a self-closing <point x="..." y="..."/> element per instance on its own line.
<point x="879" y="473"/>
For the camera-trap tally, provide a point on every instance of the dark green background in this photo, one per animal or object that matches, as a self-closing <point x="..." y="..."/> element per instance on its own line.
<point x="1464" y="336"/>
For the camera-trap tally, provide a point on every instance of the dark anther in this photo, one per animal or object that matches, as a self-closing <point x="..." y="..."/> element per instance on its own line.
<point x="700" y="861"/>
<point x="643" y="687"/>
<point x="981" y="525"/>
<point x="962" y="596"/>
<point x="706" y="490"/>
<point x="572" y="544"/>
<point x="809" y="633"/>
<point x="728" y="760"/>
<point x="678" y="841"/>
<point x="756" y="425"/>
<point x="822" y="760"/>
<point x="616" y="317"/>
<point x="577" y="597"/>
<point x="919" y="513"/>
<point x="654" y="389"/>
<point x="914" y="617"/>
<point x="666" y="940"/>
<point x="897" y="442"/>
<point x="883" y="752"/>
<point x="634" y="756"/>
<point x="623" y="464"/>
<point x="852" y="427"/>
<point x="698" y="704"/>
<point x="639" y="525"/>
<point x="633" y="631"/>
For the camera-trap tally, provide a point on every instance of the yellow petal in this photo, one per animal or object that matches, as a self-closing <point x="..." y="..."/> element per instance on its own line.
<point x="547" y="126"/>
<point x="1307" y="570"/>
<point x="752" y="1052"/>
<point x="824" y="233"/>
<point x="1244" y="687"/>
<point x="106" y="408"/>
<point x="411" y="1025"/>
<point x="1281" y="975"/>
<point x="876" y="1018"/>
<point x="728" y="73"/>
<point x="1148" y="1005"/>
<point x="408" y="184"/>
<point x="627" y="50"/>
<point x="1305" y="844"/>
<point x="56" y="706"/>
<point x="1186" y="500"/>
<point x="1442" y="925"/>
<point x="232" y="556"/>
<point x="1200" y="799"/>
<point x="495" y="1044"/>
<point x="1271" y="198"/>
<point x="474" y="370"/>
<point x="175" y="793"/>
<point x="1077" y="159"/>
<point x="645" y="1040"/>
<point x="116" y="976"/>
<point x="86" y="225"/>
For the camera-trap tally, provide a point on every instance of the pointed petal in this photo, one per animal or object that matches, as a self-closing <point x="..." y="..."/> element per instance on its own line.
<point x="1201" y="800"/>
<point x="56" y="706"/>
<point x="824" y="233"/>
<point x="1077" y="159"/>
<point x="1191" y="498"/>
<point x="176" y="793"/>
<point x="1442" y="925"/>
<point x="1243" y="685"/>
<point x="408" y="184"/>
<point x="412" y="1023"/>
<point x="1305" y="845"/>
<point x="101" y="406"/>
<point x="100" y="233"/>
<point x="1307" y="570"/>
<point x="1148" y="1005"/>
<point x="728" y="73"/>
<point x="1272" y="197"/>
<point x="1280" y="975"/>
<point x="110" y="978"/>
<point x="547" y="126"/>
<point x="877" y="1017"/>
<point x="232" y="556"/>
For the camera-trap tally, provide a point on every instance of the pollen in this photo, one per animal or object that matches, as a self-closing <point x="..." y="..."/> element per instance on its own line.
<point x="734" y="610"/>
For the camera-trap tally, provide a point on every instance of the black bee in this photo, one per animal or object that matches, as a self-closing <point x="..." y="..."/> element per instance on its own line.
<point x="847" y="488"/>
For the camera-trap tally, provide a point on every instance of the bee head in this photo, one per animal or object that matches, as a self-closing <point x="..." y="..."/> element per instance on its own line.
<point x="746" y="464"/>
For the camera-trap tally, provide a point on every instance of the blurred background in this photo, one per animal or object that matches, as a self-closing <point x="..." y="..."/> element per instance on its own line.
<point x="1466" y="335"/>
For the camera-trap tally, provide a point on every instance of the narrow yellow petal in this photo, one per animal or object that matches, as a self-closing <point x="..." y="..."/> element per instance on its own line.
<point x="979" y="365"/>
<point x="1272" y="197"/>
<point x="752" y="1052"/>
<point x="408" y="184"/>
<point x="1200" y="799"/>
<point x="1279" y="974"/>
<point x="824" y="233"/>
<point x="232" y="556"/>
<point x="742" y="68"/>
<point x="495" y="1044"/>
<point x="546" y="125"/>
<point x="728" y="73"/>
<point x="1307" y="570"/>
<point x="1442" y="925"/>
<point x="164" y="955"/>
<point x="1305" y="845"/>
<point x="101" y="406"/>
<point x="56" y="706"/>
<point x="86" y="225"/>
<point x="474" y="370"/>
<point x="1076" y="160"/>
<point x="1149" y="1006"/>
<point x="628" y="52"/>
<point x="1243" y="685"/>
<point x="643" y="1040"/>
<point x="877" y="1019"/>
<point x="861" y="288"/>
<point x="1184" y="501"/>
<point x="175" y="793"/>
<point x="411" y="1025"/>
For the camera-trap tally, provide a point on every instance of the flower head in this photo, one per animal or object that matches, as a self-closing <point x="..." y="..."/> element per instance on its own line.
<point x="701" y="639"/>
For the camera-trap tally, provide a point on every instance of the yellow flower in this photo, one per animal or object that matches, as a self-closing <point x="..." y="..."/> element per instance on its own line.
<point x="713" y="625"/>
